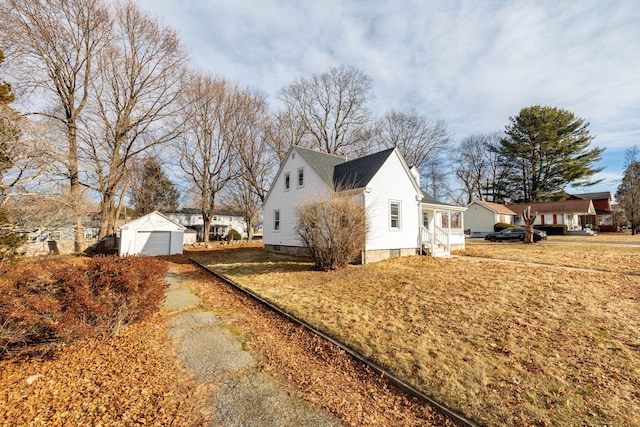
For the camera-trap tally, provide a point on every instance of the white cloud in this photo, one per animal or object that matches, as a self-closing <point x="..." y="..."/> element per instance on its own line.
<point x="472" y="64"/>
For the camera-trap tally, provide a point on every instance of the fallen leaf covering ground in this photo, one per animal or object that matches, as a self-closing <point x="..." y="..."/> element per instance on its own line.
<point x="130" y="379"/>
<point x="314" y="369"/>
<point x="504" y="343"/>
<point x="135" y="378"/>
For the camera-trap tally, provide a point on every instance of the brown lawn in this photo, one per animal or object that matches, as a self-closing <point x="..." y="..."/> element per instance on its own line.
<point x="505" y="343"/>
<point x="602" y="252"/>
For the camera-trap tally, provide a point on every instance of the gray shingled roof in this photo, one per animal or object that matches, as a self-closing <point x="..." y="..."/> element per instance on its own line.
<point x="357" y="173"/>
<point x="433" y="201"/>
<point x="322" y="163"/>
<point x="351" y="174"/>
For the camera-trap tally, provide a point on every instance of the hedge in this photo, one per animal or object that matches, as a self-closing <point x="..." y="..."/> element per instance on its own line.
<point x="501" y="226"/>
<point x="59" y="301"/>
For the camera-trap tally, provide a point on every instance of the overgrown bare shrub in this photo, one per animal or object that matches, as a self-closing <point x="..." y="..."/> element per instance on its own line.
<point x="334" y="231"/>
<point x="56" y="301"/>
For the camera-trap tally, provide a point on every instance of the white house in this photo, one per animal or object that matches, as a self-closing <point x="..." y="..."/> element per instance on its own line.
<point x="152" y="234"/>
<point x="402" y="219"/>
<point x="222" y="223"/>
<point x="566" y="212"/>
<point x="481" y="216"/>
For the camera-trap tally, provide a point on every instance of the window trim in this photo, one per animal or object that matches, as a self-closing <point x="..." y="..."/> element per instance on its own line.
<point x="300" y="175"/>
<point x="276" y="220"/>
<point x="398" y="216"/>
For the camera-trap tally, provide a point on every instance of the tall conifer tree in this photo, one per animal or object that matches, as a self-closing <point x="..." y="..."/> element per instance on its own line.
<point x="548" y="148"/>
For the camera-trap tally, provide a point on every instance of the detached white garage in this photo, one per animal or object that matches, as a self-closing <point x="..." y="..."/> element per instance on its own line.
<point x="152" y="234"/>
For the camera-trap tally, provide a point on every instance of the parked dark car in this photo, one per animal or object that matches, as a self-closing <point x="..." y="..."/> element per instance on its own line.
<point x="515" y="234"/>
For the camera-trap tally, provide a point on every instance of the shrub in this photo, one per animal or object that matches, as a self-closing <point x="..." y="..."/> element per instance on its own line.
<point x="553" y="229"/>
<point x="9" y="241"/>
<point x="499" y="226"/>
<point x="333" y="231"/>
<point x="55" y="301"/>
<point x="233" y="235"/>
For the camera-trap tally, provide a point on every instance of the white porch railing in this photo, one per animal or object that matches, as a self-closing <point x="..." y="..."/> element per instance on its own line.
<point x="439" y="238"/>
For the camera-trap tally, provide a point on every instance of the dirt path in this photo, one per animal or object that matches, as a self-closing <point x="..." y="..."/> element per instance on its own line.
<point x="213" y="350"/>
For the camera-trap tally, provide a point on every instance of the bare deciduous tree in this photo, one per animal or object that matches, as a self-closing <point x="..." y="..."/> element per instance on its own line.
<point x="282" y="131"/>
<point x="242" y="198"/>
<point x="26" y="156"/>
<point x="434" y="178"/>
<point x="479" y="168"/>
<point x="257" y="161"/>
<point x="208" y="145"/>
<point x="331" y="109"/>
<point x="55" y="42"/>
<point x="418" y="138"/>
<point x="628" y="193"/>
<point x="136" y="94"/>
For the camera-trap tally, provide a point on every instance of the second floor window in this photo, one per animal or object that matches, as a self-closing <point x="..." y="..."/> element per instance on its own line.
<point x="300" y="177"/>
<point x="287" y="181"/>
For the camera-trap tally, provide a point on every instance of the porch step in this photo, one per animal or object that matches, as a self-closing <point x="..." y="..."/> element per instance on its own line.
<point x="438" y="252"/>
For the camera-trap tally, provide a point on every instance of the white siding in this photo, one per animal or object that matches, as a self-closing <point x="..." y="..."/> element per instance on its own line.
<point x="392" y="183"/>
<point x="152" y="234"/>
<point x="314" y="188"/>
<point x="479" y="219"/>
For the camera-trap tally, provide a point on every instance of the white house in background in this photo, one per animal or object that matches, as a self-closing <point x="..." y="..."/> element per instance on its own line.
<point x="481" y="216"/>
<point x="152" y="234"/>
<point x="403" y="220"/>
<point x="222" y="223"/>
<point x="566" y="212"/>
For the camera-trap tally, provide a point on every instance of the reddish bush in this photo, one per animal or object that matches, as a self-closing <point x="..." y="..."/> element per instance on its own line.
<point x="60" y="301"/>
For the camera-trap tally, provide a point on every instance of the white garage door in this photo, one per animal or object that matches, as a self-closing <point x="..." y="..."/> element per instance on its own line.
<point x="153" y="242"/>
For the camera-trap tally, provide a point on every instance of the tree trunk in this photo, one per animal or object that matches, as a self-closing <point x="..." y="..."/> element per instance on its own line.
<point x="528" y="220"/>
<point x="206" y="227"/>
<point x="74" y="184"/>
<point x="249" y="230"/>
<point x="107" y="211"/>
<point x="120" y="203"/>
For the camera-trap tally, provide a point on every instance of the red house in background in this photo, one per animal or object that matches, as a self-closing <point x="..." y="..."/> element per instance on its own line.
<point x="604" y="219"/>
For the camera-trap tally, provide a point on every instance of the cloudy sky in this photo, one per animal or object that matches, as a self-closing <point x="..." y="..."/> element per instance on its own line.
<point x="472" y="64"/>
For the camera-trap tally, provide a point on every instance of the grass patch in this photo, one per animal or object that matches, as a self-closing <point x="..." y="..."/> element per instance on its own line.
<point x="504" y="343"/>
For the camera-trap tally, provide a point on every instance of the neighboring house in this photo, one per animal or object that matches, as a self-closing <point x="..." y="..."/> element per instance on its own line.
<point x="604" y="219"/>
<point x="568" y="212"/>
<point x="152" y="234"/>
<point x="402" y="219"/>
<point x="222" y="223"/>
<point x="481" y="216"/>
